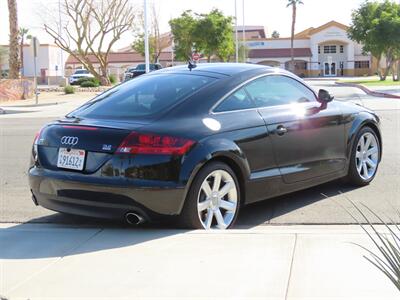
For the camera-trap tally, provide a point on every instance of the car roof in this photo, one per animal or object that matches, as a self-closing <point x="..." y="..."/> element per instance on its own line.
<point x="228" y="69"/>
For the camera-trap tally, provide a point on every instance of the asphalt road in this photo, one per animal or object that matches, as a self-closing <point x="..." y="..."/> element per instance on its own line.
<point x="319" y="205"/>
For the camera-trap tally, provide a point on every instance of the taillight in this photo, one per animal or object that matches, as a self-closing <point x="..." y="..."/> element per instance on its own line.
<point x="37" y="136"/>
<point x="35" y="145"/>
<point x="137" y="143"/>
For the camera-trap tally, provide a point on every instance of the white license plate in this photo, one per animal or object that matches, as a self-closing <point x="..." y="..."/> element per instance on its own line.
<point x="73" y="159"/>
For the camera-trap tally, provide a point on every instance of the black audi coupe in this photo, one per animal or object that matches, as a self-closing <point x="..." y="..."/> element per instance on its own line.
<point x="199" y="143"/>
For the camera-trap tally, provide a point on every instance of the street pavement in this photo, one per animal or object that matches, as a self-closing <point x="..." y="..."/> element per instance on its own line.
<point x="318" y="205"/>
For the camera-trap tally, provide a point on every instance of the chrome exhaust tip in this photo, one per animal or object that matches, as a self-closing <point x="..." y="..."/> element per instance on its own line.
<point x="134" y="218"/>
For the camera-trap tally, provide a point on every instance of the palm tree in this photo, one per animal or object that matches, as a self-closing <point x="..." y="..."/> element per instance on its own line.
<point x="293" y="4"/>
<point x="3" y="56"/>
<point x="21" y="35"/>
<point x="13" y="48"/>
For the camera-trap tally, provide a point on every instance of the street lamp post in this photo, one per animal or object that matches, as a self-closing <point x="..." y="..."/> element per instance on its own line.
<point x="146" y="39"/>
<point x="244" y="35"/>
<point x="236" y="35"/>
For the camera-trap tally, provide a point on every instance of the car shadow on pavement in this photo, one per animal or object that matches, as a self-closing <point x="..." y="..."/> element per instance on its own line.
<point x="272" y="211"/>
<point x="45" y="240"/>
<point x="60" y="235"/>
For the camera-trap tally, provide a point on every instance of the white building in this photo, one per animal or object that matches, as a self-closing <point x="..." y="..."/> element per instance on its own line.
<point x="49" y="67"/>
<point x="322" y="51"/>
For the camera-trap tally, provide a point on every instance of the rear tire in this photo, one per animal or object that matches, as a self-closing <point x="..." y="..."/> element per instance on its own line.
<point x="213" y="200"/>
<point x="365" y="158"/>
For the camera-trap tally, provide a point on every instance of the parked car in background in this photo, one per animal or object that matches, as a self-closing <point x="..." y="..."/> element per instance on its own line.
<point x="140" y="69"/>
<point x="4" y="74"/>
<point x="82" y="73"/>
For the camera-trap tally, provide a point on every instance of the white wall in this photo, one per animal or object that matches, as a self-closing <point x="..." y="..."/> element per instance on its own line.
<point x="48" y="58"/>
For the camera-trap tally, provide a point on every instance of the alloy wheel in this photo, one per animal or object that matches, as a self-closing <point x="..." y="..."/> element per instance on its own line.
<point x="367" y="156"/>
<point x="217" y="200"/>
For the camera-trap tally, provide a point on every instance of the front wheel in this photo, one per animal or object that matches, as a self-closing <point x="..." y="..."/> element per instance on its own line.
<point x="213" y="199"/>
<point x="365" y="157"/>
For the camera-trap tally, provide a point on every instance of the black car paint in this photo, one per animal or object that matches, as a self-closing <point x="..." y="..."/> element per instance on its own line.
<point x="266" y="163"/>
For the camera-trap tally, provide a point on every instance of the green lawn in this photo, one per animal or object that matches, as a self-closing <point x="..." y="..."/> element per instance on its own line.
<point x="372" y="81"/>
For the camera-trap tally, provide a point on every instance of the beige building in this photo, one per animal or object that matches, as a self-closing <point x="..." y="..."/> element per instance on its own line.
<point x="322" y="51"/>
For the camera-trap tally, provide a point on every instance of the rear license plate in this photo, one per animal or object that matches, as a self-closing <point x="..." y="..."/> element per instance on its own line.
<point x="71" y="159"/>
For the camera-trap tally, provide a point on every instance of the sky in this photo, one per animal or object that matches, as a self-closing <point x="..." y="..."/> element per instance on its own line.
<point x="272" y="14"/>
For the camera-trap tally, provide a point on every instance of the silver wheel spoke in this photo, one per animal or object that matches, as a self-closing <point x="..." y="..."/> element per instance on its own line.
<point x="359" y="167"/>
<point x="370" y="163"/>
<point x="358" y="154"/>
<point x="367" y="143"/>
<point x="365" y="169"/>
<point x="226" y="188"/>
<point x="372" y="151"/>
<point x="209" y="218"/>
<point x="229" y="206"/>
<point x="203" y="205"/>
<point x="206" y="188"/>
<point x="220" y="219"/>
<point x="217" y="182"/>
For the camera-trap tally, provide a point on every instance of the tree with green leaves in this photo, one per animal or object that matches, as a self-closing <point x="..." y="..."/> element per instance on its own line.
<point x="210" y="34"/>
<point x="182" y="29"/>
<point x="3" y="58"/>
<point x="293" y="4"/>
<point x="213" y="33"/>
<point x="376" y="25"/>
<point x="22" y="34"/>
<point x="275" y="34"/>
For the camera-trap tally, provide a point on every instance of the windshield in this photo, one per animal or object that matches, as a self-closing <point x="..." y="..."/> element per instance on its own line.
<point x="81" y="72"/>
<point x="142" y="97"/>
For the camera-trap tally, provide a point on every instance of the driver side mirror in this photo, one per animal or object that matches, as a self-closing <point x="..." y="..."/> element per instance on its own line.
<point x="324" y="97"/>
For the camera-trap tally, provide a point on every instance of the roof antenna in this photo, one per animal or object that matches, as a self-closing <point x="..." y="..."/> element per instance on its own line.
<point x="191" y="64"/>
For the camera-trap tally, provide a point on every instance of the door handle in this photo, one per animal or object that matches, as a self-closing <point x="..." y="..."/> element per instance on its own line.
<point x="281" y="130"/>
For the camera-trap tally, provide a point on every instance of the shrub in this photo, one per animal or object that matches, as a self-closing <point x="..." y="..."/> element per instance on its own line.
<point x="113" y="79"/>
<point x="89" y="84"/>
<point x="91" y="79"/>
<point x="69" y="89"/>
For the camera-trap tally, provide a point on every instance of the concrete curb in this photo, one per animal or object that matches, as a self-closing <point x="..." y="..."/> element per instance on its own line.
<point x="367" y="90"/>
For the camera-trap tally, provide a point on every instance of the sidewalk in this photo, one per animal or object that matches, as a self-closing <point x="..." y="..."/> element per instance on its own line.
<point x="49" y="105"/>
<point x="267" y="262"/>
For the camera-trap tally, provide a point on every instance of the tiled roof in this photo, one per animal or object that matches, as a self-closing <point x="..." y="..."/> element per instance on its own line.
<point x="275" y="53"/>
<point x="121" y="57"/>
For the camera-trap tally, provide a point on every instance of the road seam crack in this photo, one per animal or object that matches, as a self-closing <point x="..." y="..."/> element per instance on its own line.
<point x="291" y="266"/>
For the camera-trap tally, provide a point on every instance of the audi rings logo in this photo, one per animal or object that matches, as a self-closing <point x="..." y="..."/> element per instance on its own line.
<point x="69" y="140"/>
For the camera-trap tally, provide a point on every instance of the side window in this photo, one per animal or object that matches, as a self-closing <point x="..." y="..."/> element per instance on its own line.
<point x="278" y="90"/>
<point x="236" y="101"/>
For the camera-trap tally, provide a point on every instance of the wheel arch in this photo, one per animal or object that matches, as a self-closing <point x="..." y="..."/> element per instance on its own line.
<point x="361" y="120"/>
<point x="232" y="156"/>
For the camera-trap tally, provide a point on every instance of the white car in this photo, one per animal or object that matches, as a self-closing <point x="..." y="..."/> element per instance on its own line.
<point x="78" y="75"/>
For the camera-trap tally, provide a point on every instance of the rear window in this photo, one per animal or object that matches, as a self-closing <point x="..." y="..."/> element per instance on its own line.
<point x="143" y="97"/>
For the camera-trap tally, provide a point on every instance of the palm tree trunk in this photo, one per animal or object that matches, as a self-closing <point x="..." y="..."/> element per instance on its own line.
<point x="13" y="48"/>
<point x="21" y="54"/>
<point x="292" y="38"/>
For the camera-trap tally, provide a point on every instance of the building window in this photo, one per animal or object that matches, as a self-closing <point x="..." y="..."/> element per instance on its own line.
<point x="362" y="64"/>
<point x="341" y="49"/>
<point x="319" y="49"/>
<point x="330" y="49"/>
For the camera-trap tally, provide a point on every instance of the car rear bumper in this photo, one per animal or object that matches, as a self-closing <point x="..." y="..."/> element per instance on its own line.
<point x="111" y="200"/>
